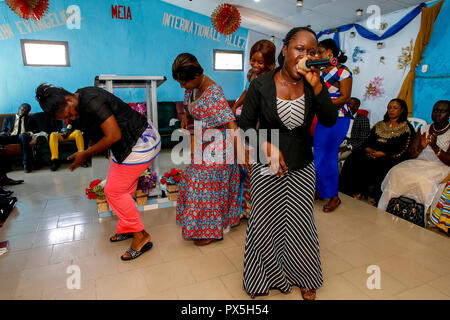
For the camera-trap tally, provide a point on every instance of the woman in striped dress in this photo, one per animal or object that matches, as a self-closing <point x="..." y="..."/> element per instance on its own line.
<point x="282" y="248"/>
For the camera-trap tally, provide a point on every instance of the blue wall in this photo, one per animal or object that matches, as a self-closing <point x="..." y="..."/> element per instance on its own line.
<point x="434" y="85"/>
<point x="103" y="45"/>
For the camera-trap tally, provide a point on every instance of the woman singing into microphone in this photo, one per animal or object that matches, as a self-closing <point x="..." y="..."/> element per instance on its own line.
<point x="327" y="140"/>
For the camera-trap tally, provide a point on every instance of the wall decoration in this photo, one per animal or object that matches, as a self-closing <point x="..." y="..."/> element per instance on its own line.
<point x="27" y="9"/>
<point x="121" y="12"/>
<point x="356" y="70"/>
<point x="226" y="18"/>
<point x="375" y="89"/>
<point x="357" y="54"/>
<point x="405" y="58"/>
<point x="382" y="59"/>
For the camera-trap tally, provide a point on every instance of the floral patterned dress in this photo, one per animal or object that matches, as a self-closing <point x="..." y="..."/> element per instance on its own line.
<point x="208" y="200"/>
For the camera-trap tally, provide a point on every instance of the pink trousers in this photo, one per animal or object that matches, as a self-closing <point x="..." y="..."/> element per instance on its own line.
<point x="121" y="184"/>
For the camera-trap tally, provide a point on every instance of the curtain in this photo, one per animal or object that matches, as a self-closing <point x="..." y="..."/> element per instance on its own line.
<point x="429" y="15"/>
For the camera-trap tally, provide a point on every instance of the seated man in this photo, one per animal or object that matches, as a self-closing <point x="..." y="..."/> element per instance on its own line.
<point x="19" y="129"/>
<point x="67" y="134"/>
<point x="357" y="132"/>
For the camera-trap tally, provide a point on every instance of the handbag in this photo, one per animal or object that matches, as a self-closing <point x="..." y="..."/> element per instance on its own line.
<point x="407" y="209"/>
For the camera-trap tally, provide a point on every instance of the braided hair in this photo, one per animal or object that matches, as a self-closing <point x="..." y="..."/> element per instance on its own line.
<point x="51" y="99"/>
<point x="291" y="34"/>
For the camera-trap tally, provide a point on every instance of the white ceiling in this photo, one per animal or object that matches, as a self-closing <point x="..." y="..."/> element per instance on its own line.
<point x="276" y="17"/>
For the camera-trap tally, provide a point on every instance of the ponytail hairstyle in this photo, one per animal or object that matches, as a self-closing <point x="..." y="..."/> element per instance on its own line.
<point x="330" y="44"/>
<point x="51" y="99"/>
<point x="291" y="34"/>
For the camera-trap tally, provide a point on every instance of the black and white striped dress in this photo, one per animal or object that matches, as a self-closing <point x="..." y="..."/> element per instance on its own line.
<point x="282" y="247"/>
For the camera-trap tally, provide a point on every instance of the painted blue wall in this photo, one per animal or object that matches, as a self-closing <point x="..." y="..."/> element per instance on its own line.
<point x="434" y="85"/>
<point x="103" y="45"/>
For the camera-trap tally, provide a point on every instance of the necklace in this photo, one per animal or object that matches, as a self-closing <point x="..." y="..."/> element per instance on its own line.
<point x="201" y="83"/>
<point x="196" y="91"/>
<point x="285" y="81"/>
<point x="442" y="130"/>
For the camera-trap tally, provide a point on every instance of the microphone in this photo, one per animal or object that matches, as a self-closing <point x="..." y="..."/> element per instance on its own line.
<point x="305" y="64"/>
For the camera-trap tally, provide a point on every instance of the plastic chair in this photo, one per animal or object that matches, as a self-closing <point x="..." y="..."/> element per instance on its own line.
<point x="417" y="123"/>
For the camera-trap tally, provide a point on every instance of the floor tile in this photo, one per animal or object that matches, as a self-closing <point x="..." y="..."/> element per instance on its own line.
<point x="126" y="285"/>
<point x="212" y="289"/>
<point x="166" y="276"/>
<point x="424" y="292"/>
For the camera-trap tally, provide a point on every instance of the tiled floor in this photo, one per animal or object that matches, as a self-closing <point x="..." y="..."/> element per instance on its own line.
<point x="54" y="226"/>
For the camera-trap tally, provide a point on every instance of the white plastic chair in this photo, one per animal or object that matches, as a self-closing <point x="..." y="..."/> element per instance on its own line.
<point x="417" y="123"/>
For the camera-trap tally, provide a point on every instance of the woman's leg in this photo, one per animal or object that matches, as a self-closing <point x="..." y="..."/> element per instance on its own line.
<point x="120" y="186"/>
<point x="326" y="151"/>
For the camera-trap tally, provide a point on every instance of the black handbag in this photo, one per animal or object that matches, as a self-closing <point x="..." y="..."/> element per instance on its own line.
<point x="407" y="209"/>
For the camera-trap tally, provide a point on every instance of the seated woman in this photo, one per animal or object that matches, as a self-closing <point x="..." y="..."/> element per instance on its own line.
<point x="420" y="177"/>
<point x="386" y="146"/>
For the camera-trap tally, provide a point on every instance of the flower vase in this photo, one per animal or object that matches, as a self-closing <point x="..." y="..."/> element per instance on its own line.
<point x="141" y="197"/>
<point x="172" y="192"/>
<point x="102" y="205"/>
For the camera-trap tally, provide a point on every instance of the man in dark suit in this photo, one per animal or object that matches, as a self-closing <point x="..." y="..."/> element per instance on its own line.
<point x="358" y="131"/>
<point x="19" y="129"/>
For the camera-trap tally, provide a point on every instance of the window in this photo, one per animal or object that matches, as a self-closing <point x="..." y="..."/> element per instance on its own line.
<point x="43" y="53"/>
<point x="228" y="60"/>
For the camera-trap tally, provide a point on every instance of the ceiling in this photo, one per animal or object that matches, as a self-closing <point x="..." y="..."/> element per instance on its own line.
<point x="276" y="17"/>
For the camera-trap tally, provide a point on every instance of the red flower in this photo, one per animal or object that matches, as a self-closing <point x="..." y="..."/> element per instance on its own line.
<point x="176" y="178"/>
<point x="173" y="172"/>
<point x="166" y="174"/>
<point x="92" y="195"/>
<point x="94" y="183"/>
<point x="87" y="191"/>
<point x="163" y="181"/>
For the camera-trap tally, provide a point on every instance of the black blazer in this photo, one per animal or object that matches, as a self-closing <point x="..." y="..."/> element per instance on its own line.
<point x="8" y="124"/>
<point x="296" y="145"/>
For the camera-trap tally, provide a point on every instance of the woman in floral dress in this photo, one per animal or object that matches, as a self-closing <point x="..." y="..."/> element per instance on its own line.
<point x="208" y="202"/>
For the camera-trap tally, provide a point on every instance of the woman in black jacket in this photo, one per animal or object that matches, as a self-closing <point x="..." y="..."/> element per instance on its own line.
<point x="282" y="247"/>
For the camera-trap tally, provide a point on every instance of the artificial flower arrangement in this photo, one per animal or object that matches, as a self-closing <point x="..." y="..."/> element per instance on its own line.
<point x="95" y="190"/>
<point x="172" y="177"/>
<point x="147" y="181"/>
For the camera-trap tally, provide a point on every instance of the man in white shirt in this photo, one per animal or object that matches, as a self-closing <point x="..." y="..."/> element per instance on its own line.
<point x="19" y="128"/>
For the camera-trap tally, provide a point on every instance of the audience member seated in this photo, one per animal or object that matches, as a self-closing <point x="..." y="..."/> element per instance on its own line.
<point x="19" y="129"/>
<point x="357" y="132"/>
<point x="386" y="146"/>
<point x="420" y="178"/>
<point x="68" y="133"/>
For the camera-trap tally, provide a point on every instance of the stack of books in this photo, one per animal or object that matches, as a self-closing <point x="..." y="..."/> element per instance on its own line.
<point x="4" y="247"/>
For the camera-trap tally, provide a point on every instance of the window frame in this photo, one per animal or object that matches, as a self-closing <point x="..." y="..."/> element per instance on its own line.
<point x="227" y="51"/>
<point x="24" y="59"/>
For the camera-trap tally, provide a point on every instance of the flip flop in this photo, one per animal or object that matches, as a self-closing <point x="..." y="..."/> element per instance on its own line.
<point x="121" y="237"/>
<point x="134" y="254"/>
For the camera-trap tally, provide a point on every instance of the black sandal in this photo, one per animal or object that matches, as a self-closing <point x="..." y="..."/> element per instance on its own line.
<point x="121" y="237"/>
<point x="134" y="254"/>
